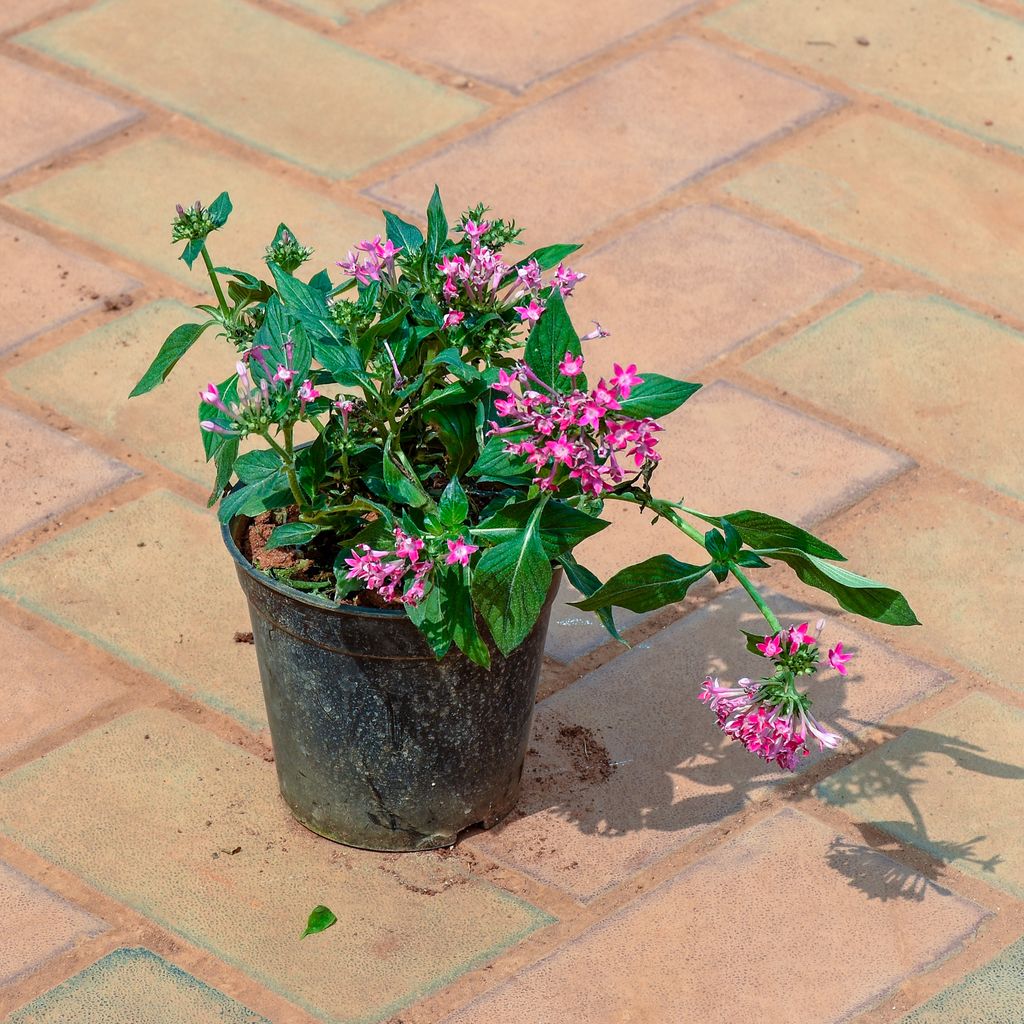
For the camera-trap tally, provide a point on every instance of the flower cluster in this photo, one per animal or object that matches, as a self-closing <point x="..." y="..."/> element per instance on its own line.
<point x="581" y="435"/>
<point x="259" y="400"/>
<point x="771" y="718"/>
<point x="287" y="253"/>
<point x="192" y="223"/>
<point x="379" y="260"/>
<point x="387" y="572"/>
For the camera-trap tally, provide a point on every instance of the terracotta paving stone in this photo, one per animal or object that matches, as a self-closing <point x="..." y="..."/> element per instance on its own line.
<point x="44" y="116"/>
<point x="15" y="13"/>
<point x="573" y="633"/>
<point x="959" y="564"/>
<point x="727" y="449"/>
<point x="951" y="786"/>
<point x="884" y="362"/>
<point x="537" y="38"/>
<point x="676" y="774"/>
<point x="993" y="994"/>
<point x="156" y="845"/>
<point x="44" y="472"/>
<point x="278" y="87"/>
<point x="950" y="65"/>
<point x="673" y="955"/>
<point x="39" y="697"/>
<point x="89" y="381"/>
<point x="711" y="279"/>
<point x="130" y="581"/>
<point x="38" y="925"/>
<point x="134" y="219"/>
<point x="131" y="986"/>
<point x="923" y="203"/>
<point x="338" y="10"/>
<point x="597" y="159"/>
<point x="45" y="286"/>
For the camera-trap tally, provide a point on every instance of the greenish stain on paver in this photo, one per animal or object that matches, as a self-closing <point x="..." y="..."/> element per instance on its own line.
<point x="338" y="10"/>
<point x="993" y="994"/>
<point x="922" y="203"/>
<point x="257" y="77"/>
<point x="127" y="582"/>
<point x="124" y="200"/>
<point x="950" y="786"/>
<point x="143" y="810"/>
<point x="948" y="65"/>
<point x="889" y="363"/>
<point x="134" y="986"/>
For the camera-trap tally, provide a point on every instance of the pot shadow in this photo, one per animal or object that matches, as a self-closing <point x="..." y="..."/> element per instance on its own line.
<point x="675" y="775"/>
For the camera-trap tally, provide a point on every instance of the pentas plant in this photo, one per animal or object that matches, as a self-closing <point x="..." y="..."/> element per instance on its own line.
<point x="459" y="453"/>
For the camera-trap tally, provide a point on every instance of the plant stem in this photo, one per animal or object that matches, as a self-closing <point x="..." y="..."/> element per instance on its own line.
<point x="288" y="458"/>
<point x="762" y="605"/>
<point x="221" y="301"/>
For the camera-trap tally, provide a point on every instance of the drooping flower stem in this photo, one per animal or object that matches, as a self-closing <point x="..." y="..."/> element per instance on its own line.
<point x="755" y="596"/>
<point x="221" y="301"/>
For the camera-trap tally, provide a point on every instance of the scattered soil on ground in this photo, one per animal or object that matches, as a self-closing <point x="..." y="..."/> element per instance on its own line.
<point x="243" y="638"/>
<point x="589" y="755"/>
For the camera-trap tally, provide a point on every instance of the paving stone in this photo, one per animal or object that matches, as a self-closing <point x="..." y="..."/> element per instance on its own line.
<point x="883" y="362"/>
<point x="573" y="633"/>
<point x="134" y="217"/>
<point x="597" y="159"/>
<point x="38" y="925"/>
<point x="45" y="116"/>
<point x="278" y="87"/>
<point x="711" y="279"/>
<point x="46" y="286"/>
<point x="152" y="583"/>
<point x="959" y="564"/>
<point x="994" y="994"/>
<point x="698" y="947"/>
<point x="676" y="775"/>
<point x="951" y="786"/>
<point x="89" y="381"/>
<point x="923" y="203"/>
<point x="727" y="450"/>
<point x="406" y="925"/>
<point x="129" y="986"/>
<point x="15" y="13"/>
<point x="538" y="38"/>
<point x="43" y="473"/>
<point x="38" y="697"/>
<point x="950" y="65"/>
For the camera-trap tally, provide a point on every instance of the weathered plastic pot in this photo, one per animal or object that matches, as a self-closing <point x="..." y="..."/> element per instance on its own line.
<point x="378" y="744"/>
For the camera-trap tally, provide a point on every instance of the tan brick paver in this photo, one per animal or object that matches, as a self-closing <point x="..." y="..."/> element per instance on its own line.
<point x="814" y="209"/>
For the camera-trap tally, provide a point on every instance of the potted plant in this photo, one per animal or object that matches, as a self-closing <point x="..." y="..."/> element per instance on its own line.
<point x="401" y="565"/>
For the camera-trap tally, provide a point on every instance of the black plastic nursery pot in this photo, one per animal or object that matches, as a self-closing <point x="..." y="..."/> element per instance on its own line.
<point x="377" y="743"/>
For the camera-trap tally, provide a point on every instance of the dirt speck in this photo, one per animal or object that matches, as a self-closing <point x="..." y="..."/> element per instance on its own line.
<point x="243" y="637"/>
<point x="589" y="755"/>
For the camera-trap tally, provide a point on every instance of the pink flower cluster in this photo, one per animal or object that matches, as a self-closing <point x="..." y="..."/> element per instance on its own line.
<point x="579" y="432"/>
<point x="380" y="258"/>
<point x="388" y="571"/>
<point x="794" y="638"/>
<point x="252" y="412"/>
<point x="477" y="280"/>
<point x="777" y="733"/>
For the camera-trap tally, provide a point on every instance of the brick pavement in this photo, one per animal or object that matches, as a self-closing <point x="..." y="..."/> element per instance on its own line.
<point x="822" y="206"/>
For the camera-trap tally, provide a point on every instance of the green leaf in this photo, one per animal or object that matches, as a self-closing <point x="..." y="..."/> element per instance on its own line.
<point x="192" y="250"/>
<point x="457" y="607"/>
<point x="430" y="618"/>
<point x="495" y="464"/>
<point x="275" y="332"/>
<point x="856" y="594"/>
<point x="292" y="535"/>
<point x="321" y="282"/>
<point x="258" y="465"/>
<point x="657" y="396"/>
<point x="511" y="582"/>
<point x="750" y="560"/>
<point x="220" y="210"/>
<point x="454" y="426"/>
<point x="401" y="233"/>
<point x="177" y="343"/>
<point x="437" y="223"/>
<point x="587" y="583"/>
<point x="760" y="530"/>
<point x="400" y="478"/>
<point x="715" y="545"/>
<point x="311" y="464"/>
<point x="224" y="463"/>
<point x="320" y="919"/>
<point x="451" y="358"/>
<point x="658" y="581"/>
<point x="552" y="336"/>
<point x="337" y="358"/>
<point x="453" y="507"/>
<point x="308" y="305"/>
<point x="561" y="526"/>
<point x="260" y="496"/>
